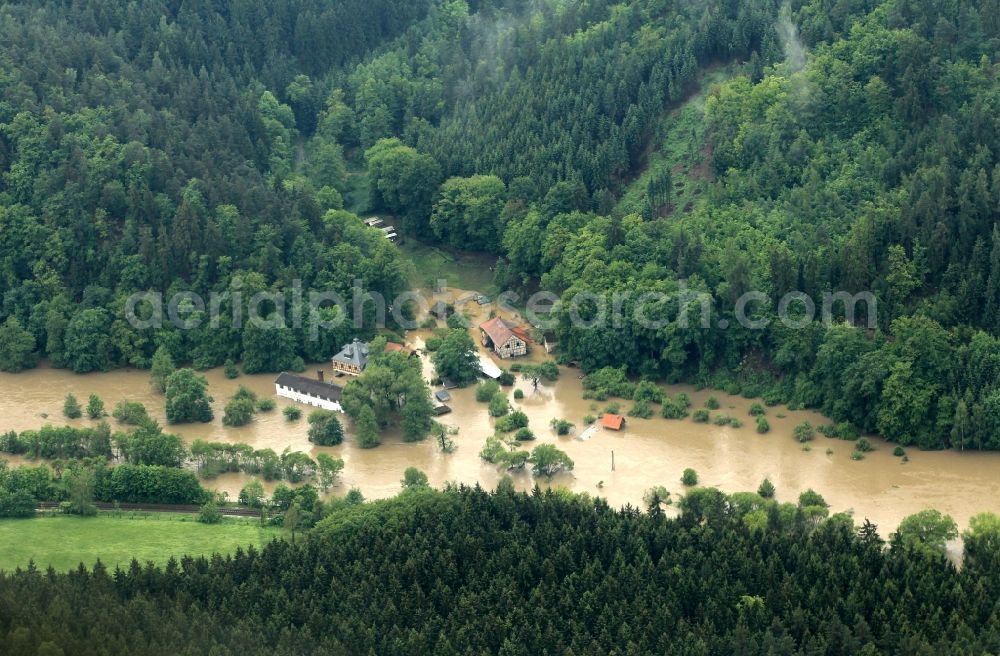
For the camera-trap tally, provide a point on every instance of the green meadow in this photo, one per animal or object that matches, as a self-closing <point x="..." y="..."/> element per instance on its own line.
<point x="64" y="542"/>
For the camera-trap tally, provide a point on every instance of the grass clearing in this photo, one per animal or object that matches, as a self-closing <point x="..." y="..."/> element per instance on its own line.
<point x="356" y="192"/>
<point x="355" y="186"/>
<point x="461" y="270"/>
<point x="430" y="263"/>
<point x="64" y="542"/>
<point x="678" y="145"/>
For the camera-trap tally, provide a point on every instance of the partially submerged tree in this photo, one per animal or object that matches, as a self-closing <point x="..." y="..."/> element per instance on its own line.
<point x="413" y="478"/>
<point x="95" y="407"/>
<point x="187" y="397"/>
<point x="325" y="428"/>
<point x="655" y="498"/>
<point x="71" y="407"/>
<point x="927" y="532"/>
<point x="456" y="358"/>
<point x="548" y="460"/>
<point x="328" y="470"/>
<point x="163" y="366"/>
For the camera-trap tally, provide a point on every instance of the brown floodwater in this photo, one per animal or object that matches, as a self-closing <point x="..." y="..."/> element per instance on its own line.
<point x="646" y="453"/>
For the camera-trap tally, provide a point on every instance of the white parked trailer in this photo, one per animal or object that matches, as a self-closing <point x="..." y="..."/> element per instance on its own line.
<point x="490" y="370"/>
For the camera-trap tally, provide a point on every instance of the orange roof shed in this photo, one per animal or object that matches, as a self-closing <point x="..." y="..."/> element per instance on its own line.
<point x="614" y="422"/>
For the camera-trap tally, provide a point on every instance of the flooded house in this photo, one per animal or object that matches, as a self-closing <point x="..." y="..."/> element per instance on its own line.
<point x="352" y="359"/>
<point x="506" y="338"/>
<point x="613" y="422"/>
<point x="310" y="391"/>
<point x="396" y="347"/>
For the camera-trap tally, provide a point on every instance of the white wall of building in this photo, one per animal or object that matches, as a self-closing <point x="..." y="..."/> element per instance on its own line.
<point x="512" y="348"/>
<point x="306" y="399"/>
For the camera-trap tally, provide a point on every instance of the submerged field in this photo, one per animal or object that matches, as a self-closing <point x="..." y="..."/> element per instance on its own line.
<point x="63" y="542"/>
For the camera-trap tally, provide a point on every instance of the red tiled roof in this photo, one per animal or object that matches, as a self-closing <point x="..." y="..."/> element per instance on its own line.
<point x="394" y="347"/>
<point x="496" y="329"/>
<point x="521" y="333"/>
<point x="614" y="422"/>
<point x="501" y="331"/>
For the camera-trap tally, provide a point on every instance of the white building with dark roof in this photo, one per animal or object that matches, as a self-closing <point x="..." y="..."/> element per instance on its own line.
<point x="310" y="391"/>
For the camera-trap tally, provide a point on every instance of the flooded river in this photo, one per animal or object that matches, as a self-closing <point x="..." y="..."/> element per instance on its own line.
<point x="647" y="452"/>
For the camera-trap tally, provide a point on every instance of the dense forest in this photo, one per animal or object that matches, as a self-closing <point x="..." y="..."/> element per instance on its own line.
<point x="851" y="149"/>
<point x="466" y="571"/>
<point x="143" y="147"/>
<point x="592" y="147"/>
<point x="850" y="146"/>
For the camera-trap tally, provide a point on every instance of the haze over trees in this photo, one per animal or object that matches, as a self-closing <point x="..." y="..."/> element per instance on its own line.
<point x="517" y="129"/>
<point x="700" y="151"/>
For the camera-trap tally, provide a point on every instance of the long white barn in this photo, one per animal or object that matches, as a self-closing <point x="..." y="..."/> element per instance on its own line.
<point x="315" y="392"/>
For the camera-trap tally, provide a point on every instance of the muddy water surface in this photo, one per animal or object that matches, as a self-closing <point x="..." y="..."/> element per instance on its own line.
<point x="648" y="452"/>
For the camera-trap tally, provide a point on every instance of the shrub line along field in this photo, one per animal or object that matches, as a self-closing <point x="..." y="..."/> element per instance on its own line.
<point x="159" y="508"/>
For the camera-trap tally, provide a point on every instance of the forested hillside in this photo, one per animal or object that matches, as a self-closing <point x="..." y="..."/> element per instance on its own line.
<point x="851" y="146"/>
<point x="546" y="92"/>
<point x="143" y="146"/>
<point x="874" y="168"/>
<point x="854" y="149"/>
<point x="505" y="573"/>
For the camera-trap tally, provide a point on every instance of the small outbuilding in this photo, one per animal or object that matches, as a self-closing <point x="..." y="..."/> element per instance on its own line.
<point x="613" y="422"/>
<point x="488" y="368"/>
<point x="441" y="409"/>
<point x="396" y="347"/>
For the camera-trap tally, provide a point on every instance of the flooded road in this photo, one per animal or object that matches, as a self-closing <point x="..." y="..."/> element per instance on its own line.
<point x="646" y="453"/>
